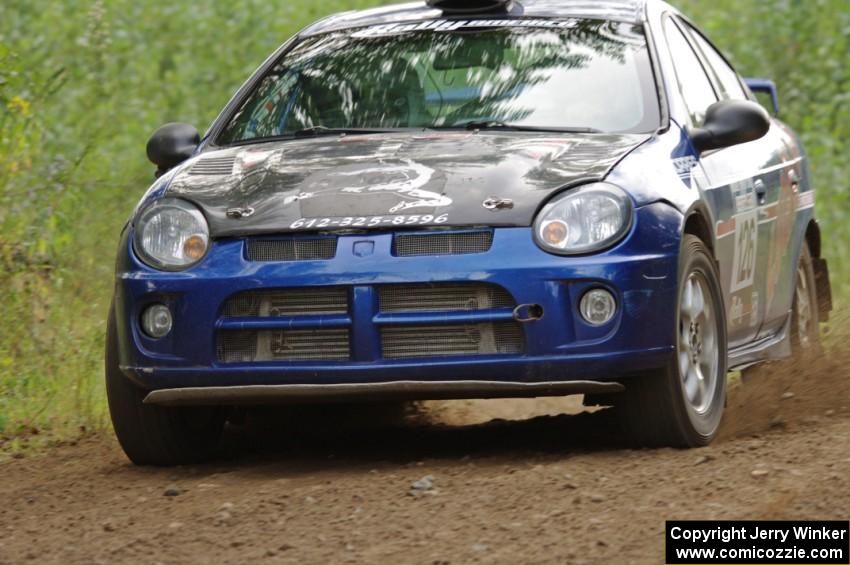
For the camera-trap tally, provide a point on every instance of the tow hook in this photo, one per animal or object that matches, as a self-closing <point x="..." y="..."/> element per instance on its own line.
<point x="525" y="313"/>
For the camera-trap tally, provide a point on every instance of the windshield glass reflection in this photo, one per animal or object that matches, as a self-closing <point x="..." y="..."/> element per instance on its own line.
<point x="584" y="74"/>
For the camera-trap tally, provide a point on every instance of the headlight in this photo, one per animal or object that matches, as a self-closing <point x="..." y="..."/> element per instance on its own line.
<point x="584" y="220"/>
<point x="171" y="234"/>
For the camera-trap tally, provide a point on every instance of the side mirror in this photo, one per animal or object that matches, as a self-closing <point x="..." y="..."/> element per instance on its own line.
<point x="730" y="122"/>
<point x="765" y="86"/>
<point x="172" y="144"/>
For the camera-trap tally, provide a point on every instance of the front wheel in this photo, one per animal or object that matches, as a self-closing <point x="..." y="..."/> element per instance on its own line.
<point x="682" y="405"/>
<point x="155" y="435"/>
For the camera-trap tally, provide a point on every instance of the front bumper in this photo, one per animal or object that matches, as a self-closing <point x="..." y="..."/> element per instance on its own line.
<point x="382" y="391"/>
<point x="559" y="347"/>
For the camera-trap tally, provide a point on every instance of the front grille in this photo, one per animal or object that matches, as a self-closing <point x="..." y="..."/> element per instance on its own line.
<point x="213" y="166"/>
<point x="419" y="340"/>
<point x="408" y="342"/>
<point x="442" y="296"/>
<point x="292" y="249"/>
<point x="248" y="346"/>
<point x="276" y="303"/>
<point x="479" y="333"/>
<point x="453" y="243"/>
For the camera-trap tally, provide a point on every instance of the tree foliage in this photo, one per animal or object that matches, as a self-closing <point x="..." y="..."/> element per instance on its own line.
<point x="804" y="46"/>
<point x="82" y="86"/>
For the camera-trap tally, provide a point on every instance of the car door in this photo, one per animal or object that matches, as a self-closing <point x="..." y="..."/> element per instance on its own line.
<point x="783" y="219"/>
<point x="729" y="193"/>
<point x="768" y="163"/>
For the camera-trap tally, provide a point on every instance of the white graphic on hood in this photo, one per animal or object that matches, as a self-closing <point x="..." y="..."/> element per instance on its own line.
<point x="413" y="177"/>
<point x="296" y="197"/>
<point x="250" y="159"/>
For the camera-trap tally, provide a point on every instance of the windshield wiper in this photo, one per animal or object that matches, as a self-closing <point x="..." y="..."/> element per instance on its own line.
<point x="315" y="131"/>
<point x="493" y="124"/>
<point x="471" y="125"/>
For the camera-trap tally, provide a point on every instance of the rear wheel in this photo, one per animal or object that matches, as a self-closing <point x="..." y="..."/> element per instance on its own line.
<point x="155" y="435"/>
<point x="805" y="323"/>
<point x="682" y="406"/>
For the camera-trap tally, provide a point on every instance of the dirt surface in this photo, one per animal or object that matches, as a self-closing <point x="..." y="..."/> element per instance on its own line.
<point x="456" y="482"/>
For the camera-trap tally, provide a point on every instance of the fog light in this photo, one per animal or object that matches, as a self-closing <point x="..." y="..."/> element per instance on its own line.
<point x="156" y="321"/>
<point x="597" y="307"/>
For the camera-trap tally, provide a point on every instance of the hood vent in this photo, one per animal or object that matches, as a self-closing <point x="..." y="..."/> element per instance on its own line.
<point x="213" y="166"/>
<point x="451" y="7"/>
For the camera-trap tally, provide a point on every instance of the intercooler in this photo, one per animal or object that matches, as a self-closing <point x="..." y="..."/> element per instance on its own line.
<point x="393" y="321"/>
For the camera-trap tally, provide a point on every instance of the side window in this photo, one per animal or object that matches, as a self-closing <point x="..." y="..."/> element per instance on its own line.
<point x="693" y="83"/>
<point x="726" y="76"/>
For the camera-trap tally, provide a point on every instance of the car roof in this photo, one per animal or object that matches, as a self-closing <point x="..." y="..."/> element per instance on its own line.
<point x="629" y="11"/>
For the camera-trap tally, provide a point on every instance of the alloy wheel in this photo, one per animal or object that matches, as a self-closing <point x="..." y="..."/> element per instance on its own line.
<point x="698" y="351"/>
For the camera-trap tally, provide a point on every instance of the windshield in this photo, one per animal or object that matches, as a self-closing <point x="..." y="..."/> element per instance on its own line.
<point x="529" y="73"/>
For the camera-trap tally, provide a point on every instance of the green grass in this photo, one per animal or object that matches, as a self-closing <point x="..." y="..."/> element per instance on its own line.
<point x="83" y="84"/>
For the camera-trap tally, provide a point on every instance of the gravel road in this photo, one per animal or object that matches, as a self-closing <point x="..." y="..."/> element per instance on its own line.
<point x="452" y="482"/>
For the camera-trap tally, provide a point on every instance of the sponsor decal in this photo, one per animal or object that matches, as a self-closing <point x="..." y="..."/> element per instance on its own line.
<point x="407" y="180"/>
<point x="746" y="246"/>
<point x="739" y="316"/>
<point x="779" y="266"/>
<point x="452" y="25"/>
<point x="805" y="199"/>
<point x="369" y="221"/>
<point x="744" y="192"/>
<point x="754" y="309"/>
<point x="768" y="213"/>
<point x="726" y="227"/>
<point x="684" y="165"/>
<point x="745" y="201"/>
<point x="736" y="310"/>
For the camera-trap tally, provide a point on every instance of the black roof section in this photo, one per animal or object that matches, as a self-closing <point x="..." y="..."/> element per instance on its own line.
<point x="629" y="11"/>
<point x="470" y="7"/>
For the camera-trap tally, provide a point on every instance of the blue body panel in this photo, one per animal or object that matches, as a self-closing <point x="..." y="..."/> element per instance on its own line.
<point x="641" y="272"/>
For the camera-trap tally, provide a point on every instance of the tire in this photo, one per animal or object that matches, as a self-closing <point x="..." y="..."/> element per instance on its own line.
<point x="682" y="405"/>
<point x="805" y="320"/>
<point x="155" y="435"/>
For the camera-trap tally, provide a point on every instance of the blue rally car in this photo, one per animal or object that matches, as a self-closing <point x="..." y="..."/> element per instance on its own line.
<point x="468" y="199"/>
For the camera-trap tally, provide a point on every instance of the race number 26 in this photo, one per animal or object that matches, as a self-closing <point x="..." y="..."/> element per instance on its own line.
<point x="746" y="239"/>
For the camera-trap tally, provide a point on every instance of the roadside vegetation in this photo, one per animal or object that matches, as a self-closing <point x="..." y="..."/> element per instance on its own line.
<point x="83" y="84"/>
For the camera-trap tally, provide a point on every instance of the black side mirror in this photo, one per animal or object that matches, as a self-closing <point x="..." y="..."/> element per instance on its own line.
<point x="730" y="122"/>
<point x="172" y="144"/>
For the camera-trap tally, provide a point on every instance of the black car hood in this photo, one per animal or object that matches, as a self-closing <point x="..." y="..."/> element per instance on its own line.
<point x="448" y="174"/>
